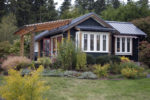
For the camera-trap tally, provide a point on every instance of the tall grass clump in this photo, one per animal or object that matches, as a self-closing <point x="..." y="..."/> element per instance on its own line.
<point x="16" y="62"/>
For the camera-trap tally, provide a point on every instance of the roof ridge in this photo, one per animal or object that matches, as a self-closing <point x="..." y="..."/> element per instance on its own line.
<point x="118" y="22"/>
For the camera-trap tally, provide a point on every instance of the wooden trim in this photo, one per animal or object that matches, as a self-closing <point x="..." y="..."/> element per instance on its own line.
<point x="110" y="43"/>
<point x="22" y="45"/>
<point x="80" y="37"/>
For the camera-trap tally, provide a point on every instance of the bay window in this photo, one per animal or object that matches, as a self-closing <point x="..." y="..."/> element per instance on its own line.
<point x="93" y="41"/>
<point x="123" y="45"/>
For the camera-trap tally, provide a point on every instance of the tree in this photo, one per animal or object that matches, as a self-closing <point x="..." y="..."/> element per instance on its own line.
<point x="127" y="12"/>
<point x="2" y="8"/>
<point x="115" y="3"/>
<point x="144" y="25"/>
<point x="7" y="28"/>
<point x="65" y="6"/>
<point x="100" y="5"/>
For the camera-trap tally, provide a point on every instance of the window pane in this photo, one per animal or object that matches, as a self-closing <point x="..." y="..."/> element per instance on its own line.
<point x="104" y="42"/>
<point x="118" y="44"/>
<point x="128" y="44"/>
<point x="92" y="42"/>
<point x="123" y="44"/>
<point x="98" y="42"/>
<point x="85" y="41"/>
<point x="47" y="47"/>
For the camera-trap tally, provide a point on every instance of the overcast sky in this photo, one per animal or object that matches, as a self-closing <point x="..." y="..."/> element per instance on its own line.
<point x="59" y="2"/>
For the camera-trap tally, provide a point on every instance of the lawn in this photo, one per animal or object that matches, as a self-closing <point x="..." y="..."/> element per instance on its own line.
<point x="81" y="89"/>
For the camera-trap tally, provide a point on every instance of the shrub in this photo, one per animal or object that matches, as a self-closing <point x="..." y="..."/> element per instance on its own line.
<point x="72" y="73"/>
<point x="101" y="71"/>
<point x="87" y="75"/>
<point x="129" y="72"/>
<point x="67" y="54"/>
<point x="16" y="62"/>
<point x="81" y="61"/>
<point x="4" y="48"/>
<point x="103" y="59"/>
<point x="58" y="72"/>
<point x="144" y="54"/>
<point x="29" y="87"/>
<point x="45" y="61"/>
<point x="115" y="68"/>
<point x="129" y="65"/>
<point x="90" y="59"/>
<point x="107" y="59"/>
<point x="125" y="59"/>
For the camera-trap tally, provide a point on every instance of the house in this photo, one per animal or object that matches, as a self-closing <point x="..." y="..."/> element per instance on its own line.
<point x="94" y="36"/>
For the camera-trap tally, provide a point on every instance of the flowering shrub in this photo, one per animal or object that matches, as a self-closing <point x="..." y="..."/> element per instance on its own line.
<point x="101" y="71"/>
<point x="125" y="59"/>
<point x="16" y="62"/>
<point x="129" y="72"/>
<point x="29" y="87"/>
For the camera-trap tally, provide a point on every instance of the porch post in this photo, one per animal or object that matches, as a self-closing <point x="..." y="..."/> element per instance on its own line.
<point x="22" y="45"/>
<point x="39" y="49"/>
<point x="68" y="34"/>
<point x="32" y="46"/>
<point x="80" y="39"/>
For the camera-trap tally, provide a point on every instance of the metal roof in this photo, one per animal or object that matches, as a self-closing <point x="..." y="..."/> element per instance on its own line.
<point x="126" y="28"/>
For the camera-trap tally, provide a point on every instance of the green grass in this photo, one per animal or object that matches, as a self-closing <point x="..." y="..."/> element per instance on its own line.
<point x="77" y="89"/>
<point x="81" y="89"/>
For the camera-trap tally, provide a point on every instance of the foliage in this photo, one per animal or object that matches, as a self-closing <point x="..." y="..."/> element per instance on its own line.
<point x="72" y="73"/>
<point x="81" y="61"/>
<point x="127" y="12"/>
<point x="115" y="68"/>
<point x="87" y="75"/>
<point x="129" y="72"/>
<point x="57" y="72"/>
<point x="7" y="28"/>
<point x="45" y="61"/>
<point x="107" y="59"/>
<point x="65" y="6"/>
<point x="90" y="59"/>
<point x="67" y="54"/>
<point x="125" y="59"/>
<point x="29" y="87"/>
<point x="144" y="54"/>
<point x="16" y="62"/>
<point x="4" y="49"/>
<point x="129" y="65"/>
<point x="101" y="71"/>
<point x="144" y="25"/>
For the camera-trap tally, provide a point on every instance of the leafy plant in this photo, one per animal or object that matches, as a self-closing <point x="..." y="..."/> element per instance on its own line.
<point x="29" y="87"/>
<point x="80" y="61"/>
<point x="16" y="62"/>
<point x="45" y="61"/>
<point x="101" y="71"/>
<point x="115" y="68"/>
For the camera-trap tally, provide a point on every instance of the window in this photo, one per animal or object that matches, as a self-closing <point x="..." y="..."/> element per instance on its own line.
<point x="104" y="42"/>
<point x="123" y="45"/>
<point x="93" y="41"/>
<point x="98" y="42"/>
<point x="85" y="41"/>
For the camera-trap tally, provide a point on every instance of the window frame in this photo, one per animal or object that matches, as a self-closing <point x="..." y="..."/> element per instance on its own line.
<point x="125" y="45"/>
<point x="95" y="41"/>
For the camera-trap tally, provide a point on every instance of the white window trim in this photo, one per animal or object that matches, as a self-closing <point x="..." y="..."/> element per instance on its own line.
<point x="131" y="44"/>
<point x="95" y="41"/>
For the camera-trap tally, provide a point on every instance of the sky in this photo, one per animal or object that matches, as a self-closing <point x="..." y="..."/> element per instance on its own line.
<point x="59" y="2"/>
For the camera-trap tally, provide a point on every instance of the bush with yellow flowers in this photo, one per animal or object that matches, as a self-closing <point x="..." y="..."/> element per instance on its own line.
<point x="125" y="59"/>
<point x="28" y="87"/>
<point x="101" y="71"/>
